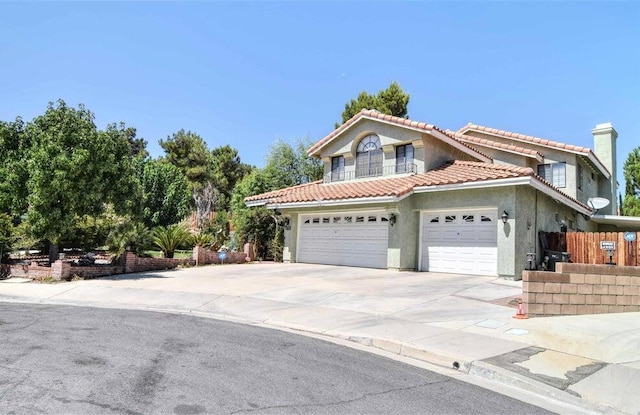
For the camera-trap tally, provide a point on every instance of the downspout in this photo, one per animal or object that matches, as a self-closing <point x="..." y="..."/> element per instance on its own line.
<point x="535" y="230"/>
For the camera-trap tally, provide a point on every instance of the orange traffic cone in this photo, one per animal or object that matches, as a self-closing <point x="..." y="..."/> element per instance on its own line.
<point x="520" y="311"/>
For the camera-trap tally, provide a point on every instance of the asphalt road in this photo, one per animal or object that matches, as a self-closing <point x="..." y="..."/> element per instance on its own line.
<point x="74" y="360"/>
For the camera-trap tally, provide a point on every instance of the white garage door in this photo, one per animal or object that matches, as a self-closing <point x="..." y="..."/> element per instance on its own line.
<point x="460" y="242"/>
<point x="354" y="239"/>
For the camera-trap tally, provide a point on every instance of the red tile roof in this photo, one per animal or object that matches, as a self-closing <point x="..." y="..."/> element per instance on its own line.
<point x="494" y="144"/>
<point x="455" y="172"/>
<point x="523" y="137"/>
<point x="373" y="114"/>
<point x="584" y="151"/>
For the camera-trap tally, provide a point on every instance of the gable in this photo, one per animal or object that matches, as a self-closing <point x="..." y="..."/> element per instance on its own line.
<point x="395" y="129"/>
<point x="390" y="135"/>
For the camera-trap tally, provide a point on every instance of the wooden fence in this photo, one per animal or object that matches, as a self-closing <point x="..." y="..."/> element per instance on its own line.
<point x="584" y="247"/>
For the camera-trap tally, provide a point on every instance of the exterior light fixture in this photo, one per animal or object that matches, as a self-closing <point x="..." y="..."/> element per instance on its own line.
<point x="563" y="225"/>
<point x="504" y="217"/>
<point x="392" y="219"/>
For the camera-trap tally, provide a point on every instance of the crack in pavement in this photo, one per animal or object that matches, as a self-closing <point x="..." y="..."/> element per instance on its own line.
<point x="98" y="404"/>
<point x="57" y="294"/>
<point x="14" y="386"/>
<point x="339" y="402"/>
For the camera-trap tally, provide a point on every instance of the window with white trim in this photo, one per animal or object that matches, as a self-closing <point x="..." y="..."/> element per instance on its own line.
<point x="555" y="173"/>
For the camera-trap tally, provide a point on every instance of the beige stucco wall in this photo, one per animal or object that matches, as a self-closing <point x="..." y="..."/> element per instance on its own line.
<point x="529" y="212"/>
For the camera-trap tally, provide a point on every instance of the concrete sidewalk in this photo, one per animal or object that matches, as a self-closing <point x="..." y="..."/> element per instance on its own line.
<point x="459" y="321"/>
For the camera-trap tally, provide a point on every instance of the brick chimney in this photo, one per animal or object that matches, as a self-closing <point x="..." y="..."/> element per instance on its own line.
<point x="604" y="146"/>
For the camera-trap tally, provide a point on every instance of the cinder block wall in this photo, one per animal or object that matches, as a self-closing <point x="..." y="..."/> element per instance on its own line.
<point x="581" y="289"/>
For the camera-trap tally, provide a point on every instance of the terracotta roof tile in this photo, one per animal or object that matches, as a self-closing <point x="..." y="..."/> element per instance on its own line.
<point x="452" y="173"/>
<point x="584" y="151"/>
<point x="494" y="144"/>
<point x="523" y="137"/>
<point x="385" y="117"/>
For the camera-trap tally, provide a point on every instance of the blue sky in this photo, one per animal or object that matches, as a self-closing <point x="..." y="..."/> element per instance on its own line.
<point x="247" y="73"/>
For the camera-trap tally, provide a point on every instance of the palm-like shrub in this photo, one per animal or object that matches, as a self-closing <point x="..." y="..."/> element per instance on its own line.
<point x="169" y="238"/>
<point x="204" y="240"/>
<point x="132" y="236"/>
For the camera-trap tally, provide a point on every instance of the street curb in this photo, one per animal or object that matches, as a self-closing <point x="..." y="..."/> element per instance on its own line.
<point x="448" y="361"/>
<point x="498" y="374"/>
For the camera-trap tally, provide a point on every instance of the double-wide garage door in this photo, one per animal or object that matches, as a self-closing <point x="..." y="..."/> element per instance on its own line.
<point x="354" y="239"/>
<point x="461" y="242"/>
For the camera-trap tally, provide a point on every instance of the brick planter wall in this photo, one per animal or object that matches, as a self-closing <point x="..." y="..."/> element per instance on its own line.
<point x="133" y="263"/>
<point x="204" y="256"/>
<point x="32" y="270"/>
<point x="129" y="263"/>
<point x="581" y="289"/>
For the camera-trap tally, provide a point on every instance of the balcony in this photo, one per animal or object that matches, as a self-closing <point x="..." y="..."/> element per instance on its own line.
<point x="385" y="171"/>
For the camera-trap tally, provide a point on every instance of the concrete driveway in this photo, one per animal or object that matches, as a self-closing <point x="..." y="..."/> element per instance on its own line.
<point x="413" y="296"/>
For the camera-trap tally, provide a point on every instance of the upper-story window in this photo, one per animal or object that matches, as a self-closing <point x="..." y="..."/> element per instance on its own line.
<point x="369" y="157"/>
<point x="404" y="158"/>
<point x="555" y="173"/>
<point x="337" y="168"/>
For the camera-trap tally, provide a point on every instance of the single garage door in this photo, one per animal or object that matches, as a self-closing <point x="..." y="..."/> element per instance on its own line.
<point x="353" y="239"/>
<point x="460" y="242"/>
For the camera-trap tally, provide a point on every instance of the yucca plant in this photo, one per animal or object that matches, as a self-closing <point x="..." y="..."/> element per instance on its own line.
<point x="169" y="238"/>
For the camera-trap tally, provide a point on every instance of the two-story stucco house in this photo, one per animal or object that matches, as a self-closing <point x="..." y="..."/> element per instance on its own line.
<point x="407" y="195"/>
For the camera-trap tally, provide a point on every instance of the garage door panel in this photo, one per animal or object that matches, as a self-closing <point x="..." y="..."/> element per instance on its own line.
<point x="460" y="242"/>
<point x="353" y="239"/>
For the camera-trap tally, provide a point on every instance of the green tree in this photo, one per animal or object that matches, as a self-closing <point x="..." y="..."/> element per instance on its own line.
<point x="226" y="170"/>
<point x="166" y="198"/>
<point x="75" y="170"/>
<point x="392" y="101"/>
<point x="631" y="170"/>
<point x="288" y="165"/>
<point x="91" y="232"/>
<point x="252" y="224"/>
<point x="189" y="153"/>
<point x="15" y="146"/>
<point x="311" y="168"/>
<point x="6" y="234"/>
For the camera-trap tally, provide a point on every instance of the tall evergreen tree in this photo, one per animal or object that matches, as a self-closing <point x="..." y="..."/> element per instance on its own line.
<point x="188" y="152"/>
<point x="392" y="101"/>
<point x="631" y="170"/>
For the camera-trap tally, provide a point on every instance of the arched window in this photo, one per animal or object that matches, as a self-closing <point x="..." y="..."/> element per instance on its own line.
<point x="369" y="157"/>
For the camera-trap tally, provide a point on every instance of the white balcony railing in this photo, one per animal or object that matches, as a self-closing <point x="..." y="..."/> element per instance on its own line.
<point x="342" y="176"/>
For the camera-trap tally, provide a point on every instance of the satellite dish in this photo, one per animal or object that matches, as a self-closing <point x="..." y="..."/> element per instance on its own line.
<point x="597" y="202"/>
